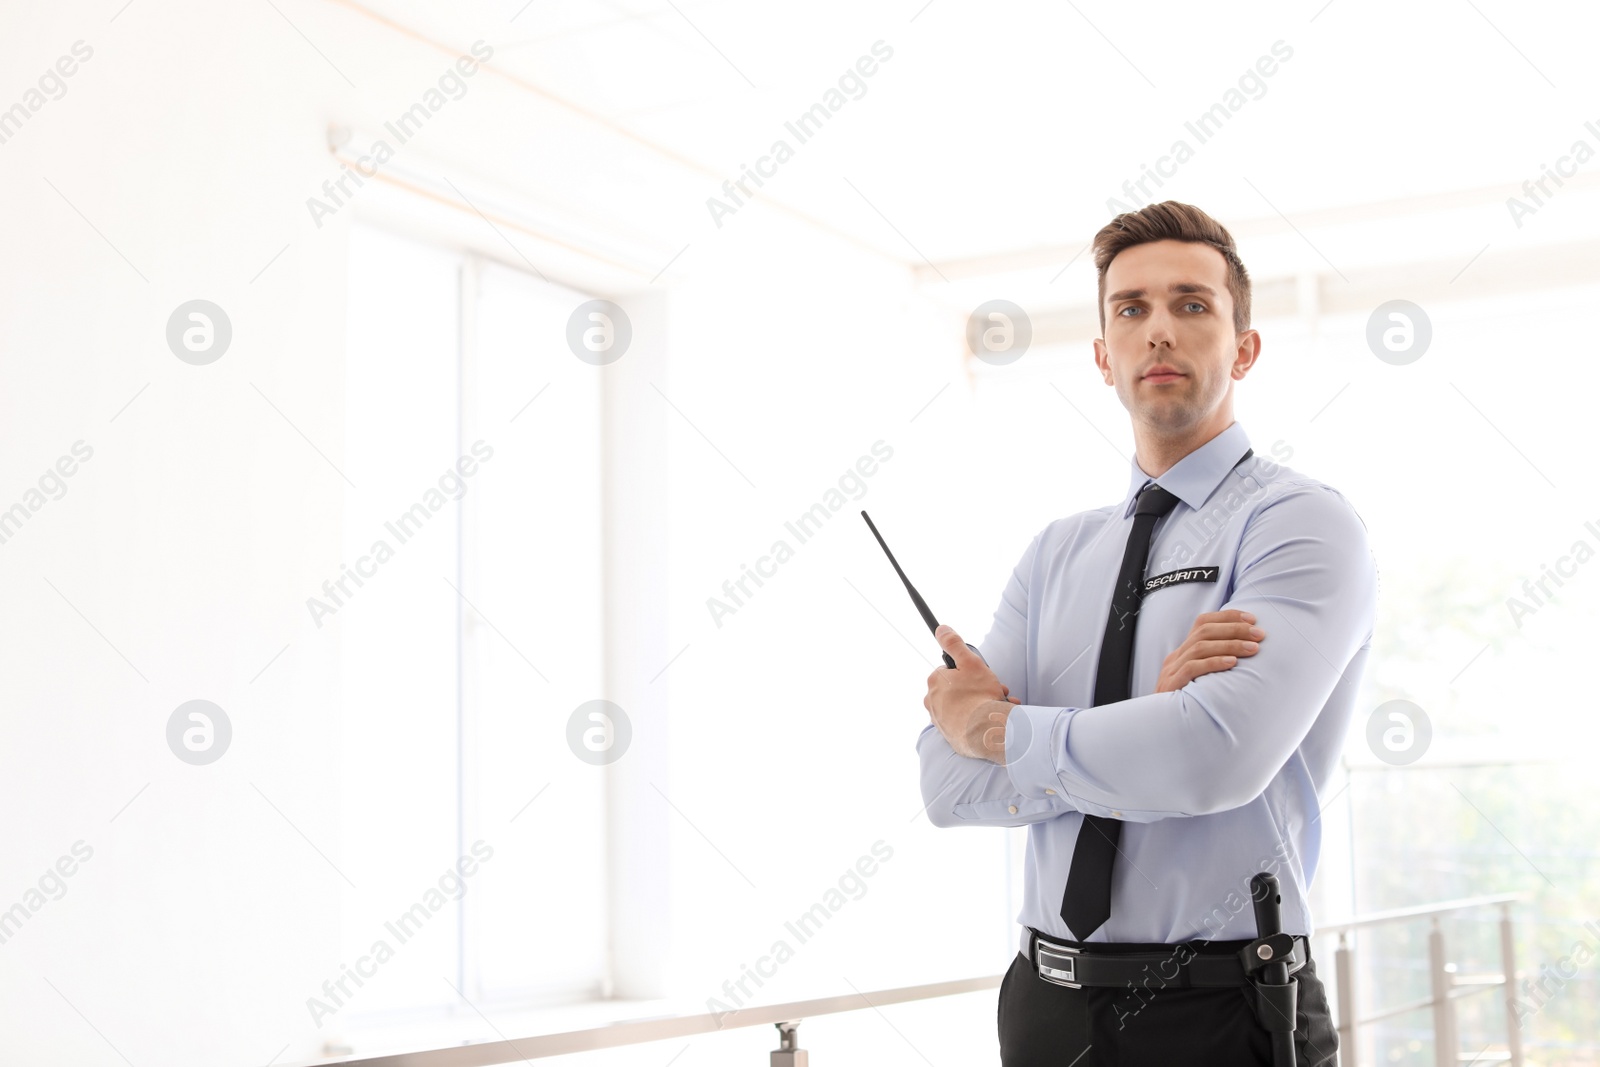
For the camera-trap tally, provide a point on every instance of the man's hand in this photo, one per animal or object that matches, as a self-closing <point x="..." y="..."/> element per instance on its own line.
<point x="1215" y="643"/>
<point x="969" y="704"/>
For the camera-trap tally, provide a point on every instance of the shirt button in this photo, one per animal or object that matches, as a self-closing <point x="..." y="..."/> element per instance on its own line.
<point x="1012" y="809"/>
<point x="1117" y="813"/>
<point x="1052" y="792"/>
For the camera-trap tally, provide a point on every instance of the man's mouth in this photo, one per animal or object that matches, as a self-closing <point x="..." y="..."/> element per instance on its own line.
<point x="1162" y="376"/>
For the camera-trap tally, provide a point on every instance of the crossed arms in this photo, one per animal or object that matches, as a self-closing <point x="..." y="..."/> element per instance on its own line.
<point x="1210" y="742"/>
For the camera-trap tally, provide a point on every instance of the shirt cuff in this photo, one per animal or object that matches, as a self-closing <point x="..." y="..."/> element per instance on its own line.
<point x="1030" y="757"/>
<point x="1033" y="737"/>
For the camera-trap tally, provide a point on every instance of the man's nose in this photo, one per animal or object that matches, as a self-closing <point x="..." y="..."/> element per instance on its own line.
<point x="1158" y="330"/>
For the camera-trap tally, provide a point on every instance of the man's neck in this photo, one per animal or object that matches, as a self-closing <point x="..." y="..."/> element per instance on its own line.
<point x="1157" y="453"/>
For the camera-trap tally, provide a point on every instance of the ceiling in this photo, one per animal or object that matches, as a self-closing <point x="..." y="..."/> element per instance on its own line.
<point x="1010" y="130"/>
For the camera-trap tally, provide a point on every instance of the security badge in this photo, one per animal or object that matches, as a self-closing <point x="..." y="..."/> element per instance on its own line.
<point x="1188" y="574"/>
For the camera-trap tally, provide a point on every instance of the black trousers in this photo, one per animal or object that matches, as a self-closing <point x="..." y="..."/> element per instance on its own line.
<point x="1047" y="1025"/>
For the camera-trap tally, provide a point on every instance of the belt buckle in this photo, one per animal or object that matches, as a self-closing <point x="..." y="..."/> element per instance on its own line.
<point x="1061" y="969"/>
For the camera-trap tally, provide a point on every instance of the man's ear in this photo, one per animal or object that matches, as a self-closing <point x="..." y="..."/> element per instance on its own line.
<point x="1245" y="356"/>
<point x="1102" y="359"/>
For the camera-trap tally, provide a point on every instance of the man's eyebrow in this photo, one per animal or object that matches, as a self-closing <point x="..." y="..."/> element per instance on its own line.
<point x="1175" y="287"/>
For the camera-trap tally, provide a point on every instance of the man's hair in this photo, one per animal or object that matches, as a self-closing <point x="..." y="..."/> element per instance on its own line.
<point x="1170" y="220"/>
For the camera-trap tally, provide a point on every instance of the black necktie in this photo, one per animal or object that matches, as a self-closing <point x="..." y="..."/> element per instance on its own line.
<point x="1086" y="904"/>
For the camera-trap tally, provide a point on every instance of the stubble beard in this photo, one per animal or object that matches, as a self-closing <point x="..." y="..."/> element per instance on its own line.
<point x="1167" y="415"/>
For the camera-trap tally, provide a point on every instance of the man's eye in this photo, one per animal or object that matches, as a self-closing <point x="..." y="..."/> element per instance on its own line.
<point x="1134" y="308"/>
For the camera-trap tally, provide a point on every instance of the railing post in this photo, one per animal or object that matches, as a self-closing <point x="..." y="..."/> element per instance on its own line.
<point x="1508" y="964"/>
<point x="1444" y="1027"/>
<point x="789" y="1053"/>
<point x="1344" y="969"/>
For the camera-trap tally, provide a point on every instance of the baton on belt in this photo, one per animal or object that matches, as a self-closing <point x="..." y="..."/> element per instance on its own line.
<point x="1266" y="965"/>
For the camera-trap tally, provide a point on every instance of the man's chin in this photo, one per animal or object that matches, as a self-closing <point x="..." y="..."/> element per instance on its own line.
<point x="1167" y="417"/>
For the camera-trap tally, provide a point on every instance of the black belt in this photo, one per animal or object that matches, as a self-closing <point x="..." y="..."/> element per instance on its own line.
<point x="1182" y="965"/>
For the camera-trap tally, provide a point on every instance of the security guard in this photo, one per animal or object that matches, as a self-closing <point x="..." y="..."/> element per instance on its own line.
<point x="1162" y="696"/>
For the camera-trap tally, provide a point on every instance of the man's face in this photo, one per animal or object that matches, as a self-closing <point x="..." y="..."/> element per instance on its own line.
<point x="1168" y="309"/>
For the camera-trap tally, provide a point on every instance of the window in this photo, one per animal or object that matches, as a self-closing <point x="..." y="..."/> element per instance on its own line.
<point x="473" y="524"/>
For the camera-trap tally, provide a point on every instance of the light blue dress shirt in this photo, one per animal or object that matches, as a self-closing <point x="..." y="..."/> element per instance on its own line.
<point x="1214" y="781"/>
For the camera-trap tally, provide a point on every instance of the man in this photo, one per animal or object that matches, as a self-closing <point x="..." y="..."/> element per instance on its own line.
<point x="1130" y="708"/>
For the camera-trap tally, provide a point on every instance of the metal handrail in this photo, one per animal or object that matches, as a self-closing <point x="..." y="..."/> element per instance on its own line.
<point x="640" y="1031"/>
<point x="1420" y="911"/>
<point x="786" y="1016"/>
<point x="1446" y="985"/>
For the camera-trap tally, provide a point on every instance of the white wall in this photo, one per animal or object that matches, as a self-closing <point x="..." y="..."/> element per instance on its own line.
<point x="190" y="540"/>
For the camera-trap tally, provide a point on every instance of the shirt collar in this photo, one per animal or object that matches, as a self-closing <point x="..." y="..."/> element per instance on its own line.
<point x="1196" y="476"/>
